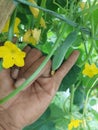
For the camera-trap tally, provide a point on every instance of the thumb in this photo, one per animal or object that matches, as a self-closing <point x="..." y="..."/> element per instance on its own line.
<point x="66" y="66"/>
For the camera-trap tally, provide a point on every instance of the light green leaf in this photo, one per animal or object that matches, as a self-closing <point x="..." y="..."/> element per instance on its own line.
<point x="93" y="102"/>
<point x="61" y="51"/>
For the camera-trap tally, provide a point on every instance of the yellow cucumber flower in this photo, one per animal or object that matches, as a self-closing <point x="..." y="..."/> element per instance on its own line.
<point x="35" y="12"/>
<point x="11" y="55"/>
<point x="90" y="70"/>
<point x="32" y="36"/>
<point x="74" y="124"/>
<point x="82" y="5"/>
<point x="42" y="23"/>
<point x="6" y="27"/>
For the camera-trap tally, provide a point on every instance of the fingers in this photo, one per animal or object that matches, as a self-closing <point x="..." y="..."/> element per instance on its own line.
<point x="34" y="67"/>
<point x="45" y="72"/>
<point x="32" y="61"/>
<point x="6" y="83"/>
<point x="14" y="72"/>
<point x="15" y="69"/>
<point x="32" y="56"/>
<point x="27" y="49"/>
<point x="26" y="74"/>
<point x="67" y="65"/>
<point x="19" y="82"/>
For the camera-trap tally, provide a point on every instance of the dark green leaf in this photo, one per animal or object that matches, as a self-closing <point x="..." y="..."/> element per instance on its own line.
<point x="53" y="6"/>
<point x="52" y="117"/>
<point x="61" y="51"/>
<point x="70" y="78"/>
<point x="79" y="96"/>
<point x="43" y="123"/>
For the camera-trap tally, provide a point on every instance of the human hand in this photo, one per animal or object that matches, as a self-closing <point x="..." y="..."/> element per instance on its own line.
<point x="29" y="104"/>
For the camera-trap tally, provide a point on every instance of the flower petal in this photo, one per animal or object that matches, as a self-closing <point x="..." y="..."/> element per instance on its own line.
<point x="36" y="34"/>
<point x="19" y="61"/>
<point x="5" y="29"/>
<point x="17" y="22"/>
<point x="42" y="23"/>
<point x="11" y="55"/>
<point x="26" y="36"/>
<point x="21" y="54"/>
<point x="10" y="45"/>
<point x="8" y="62"/>
<point x="3" y="51"/>
<point x="34" y="11"/>
<point x="94" y="68"/>
<point x="90" y="70"/>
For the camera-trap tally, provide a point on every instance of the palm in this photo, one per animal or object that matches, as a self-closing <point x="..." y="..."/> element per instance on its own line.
<point x="29" y="104"/>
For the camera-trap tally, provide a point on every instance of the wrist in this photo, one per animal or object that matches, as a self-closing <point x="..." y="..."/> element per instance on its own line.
<point x="6" y="123"/>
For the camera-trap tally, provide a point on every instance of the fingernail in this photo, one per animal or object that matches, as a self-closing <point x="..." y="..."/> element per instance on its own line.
<point x="19" y="82"/>
<point x="15" y="73"/>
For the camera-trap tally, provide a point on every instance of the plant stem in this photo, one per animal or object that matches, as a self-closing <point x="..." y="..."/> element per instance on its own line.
<point x="87" y="96"/>
<point x="65" y="19"/>
<point x="54" y="2"/>
<point x="94" y="2"/>
<point x="11" y="25"/>
<point x="43" y="2"/>
<point x="86" y="102"/>
<point x="71" y="98"/>
<point x="92" y="41"/>
<point x="34" y="75"/>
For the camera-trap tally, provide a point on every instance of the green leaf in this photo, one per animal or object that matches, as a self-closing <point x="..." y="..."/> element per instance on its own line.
<point x="93" y="102"/>
<point x="61" y="51"/>
<point x="79" y="96"/>
<point x="53" y="6"/>
<point x="95" y="114"/>
<point x="43" y="123"/>
<point x="53" y="117"/>
<point x="95" y="17"/>
<point x="70" y="78"/>
<point x="47" y="47"/>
